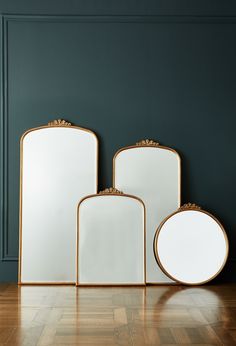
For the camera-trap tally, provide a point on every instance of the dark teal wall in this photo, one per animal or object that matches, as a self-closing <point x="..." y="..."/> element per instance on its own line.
<point x="128" y="70"/>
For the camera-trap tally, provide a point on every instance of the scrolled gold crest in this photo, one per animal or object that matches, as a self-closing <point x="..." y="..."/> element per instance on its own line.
<point x="189" y="206"/>
<point x="59" y="122"/>
<point x="111" y="190"/>
<point x="147" y="142"/>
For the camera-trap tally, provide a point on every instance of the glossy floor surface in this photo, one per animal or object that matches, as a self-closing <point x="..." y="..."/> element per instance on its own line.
<point x="164" y="315"/>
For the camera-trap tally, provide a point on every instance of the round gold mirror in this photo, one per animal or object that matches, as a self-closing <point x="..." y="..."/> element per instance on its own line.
<point x="191" y="245"/>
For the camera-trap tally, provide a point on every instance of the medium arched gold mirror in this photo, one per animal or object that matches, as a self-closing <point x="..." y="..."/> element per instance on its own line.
<point x="151" y="172"/>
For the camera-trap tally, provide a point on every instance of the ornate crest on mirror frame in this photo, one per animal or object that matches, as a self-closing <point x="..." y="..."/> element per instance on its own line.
<point x="59" y="122"/>
<point x="111" y="190"/>
<point x="148" y="142"/>
<point x="188" y="206"/>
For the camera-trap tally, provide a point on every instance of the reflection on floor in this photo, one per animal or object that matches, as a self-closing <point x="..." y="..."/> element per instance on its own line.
<point x="155" y="315"/>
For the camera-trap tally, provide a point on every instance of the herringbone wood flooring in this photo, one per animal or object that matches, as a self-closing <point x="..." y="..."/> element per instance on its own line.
<point x="155" y="315"/>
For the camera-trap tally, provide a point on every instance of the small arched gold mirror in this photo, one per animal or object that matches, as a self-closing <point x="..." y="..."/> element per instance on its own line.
<point x="111" y="239"/>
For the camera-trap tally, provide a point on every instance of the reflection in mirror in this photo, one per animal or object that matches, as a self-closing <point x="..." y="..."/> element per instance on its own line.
<point x="190" y="313"/>
<point x="58" y="168"/>
<point x="151" y="172"/>
<point x="111" y="240"/>
<point x="191" y="245"/>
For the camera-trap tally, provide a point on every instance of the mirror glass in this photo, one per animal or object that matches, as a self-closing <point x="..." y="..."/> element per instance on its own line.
<point x="58" y="168"/>
<point x="151" y="172"/>
<point x="111" y="240"/>
<point x="191" y="246"/>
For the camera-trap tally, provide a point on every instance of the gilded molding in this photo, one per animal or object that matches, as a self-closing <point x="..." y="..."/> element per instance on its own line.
<point x="111" y="190"/>
<point x="59" y="122"/>
<point x="189" y="206"/>
<point x="147" y="142"/>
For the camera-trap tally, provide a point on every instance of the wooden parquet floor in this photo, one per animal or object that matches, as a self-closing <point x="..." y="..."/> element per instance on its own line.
<point x="155" y="315"/>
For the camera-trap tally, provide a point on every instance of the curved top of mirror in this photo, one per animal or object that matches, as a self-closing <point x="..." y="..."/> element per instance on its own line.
<point x="191" y="245"/>
<point x="144" y="143"/>
<point x="58" y="123"/>
<point x="111" y="191"/>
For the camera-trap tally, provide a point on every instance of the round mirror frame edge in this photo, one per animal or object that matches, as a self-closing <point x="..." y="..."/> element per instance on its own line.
<point x="54" y="124"/>
<point x="105" y="193"/>
<point x="155" y="240"/>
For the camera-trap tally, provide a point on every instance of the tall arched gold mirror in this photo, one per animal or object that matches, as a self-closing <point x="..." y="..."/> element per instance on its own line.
<point x="59" y="164"/>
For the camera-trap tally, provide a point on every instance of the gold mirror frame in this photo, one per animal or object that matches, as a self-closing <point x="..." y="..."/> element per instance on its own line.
<point x="150" y="143"/>
<point x="109" y="192"/>
<point x="52" y="124"/>
<point x="184" y="208"/>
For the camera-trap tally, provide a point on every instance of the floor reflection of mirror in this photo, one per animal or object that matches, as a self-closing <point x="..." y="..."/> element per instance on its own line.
<point x="155" y="315"/>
